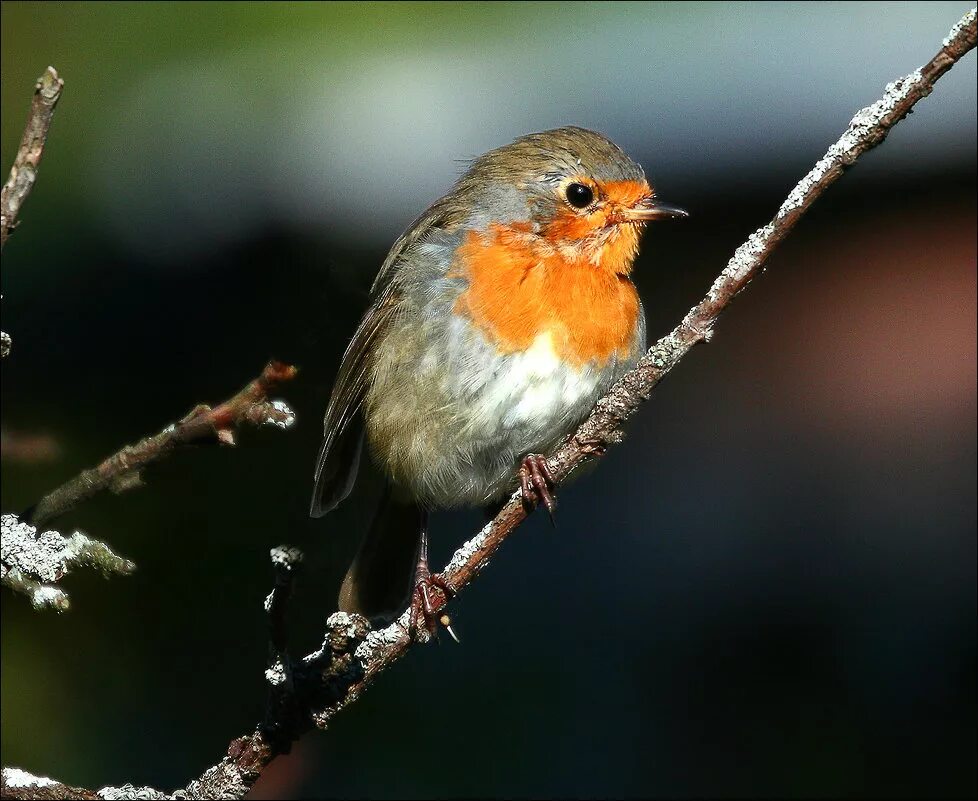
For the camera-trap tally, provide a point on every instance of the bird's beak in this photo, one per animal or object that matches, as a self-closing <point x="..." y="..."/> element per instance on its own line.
<point x="651" y="209"/>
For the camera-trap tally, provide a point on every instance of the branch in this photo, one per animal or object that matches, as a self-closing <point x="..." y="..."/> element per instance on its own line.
<point x="23" y="173"/>
<point x="19" y="784"/>
<point x="31" y="561"/>
<point x="121" y="471"/>
<point x="47" y="93"/>
<point x="284" y="714"/>
<point x="329" y="679"/>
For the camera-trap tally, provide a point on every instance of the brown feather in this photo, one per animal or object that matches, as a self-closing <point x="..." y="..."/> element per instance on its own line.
<point x="339" y="456"/>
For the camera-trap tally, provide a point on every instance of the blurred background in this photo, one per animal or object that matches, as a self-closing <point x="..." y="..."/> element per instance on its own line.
<point x="769" y="589"/>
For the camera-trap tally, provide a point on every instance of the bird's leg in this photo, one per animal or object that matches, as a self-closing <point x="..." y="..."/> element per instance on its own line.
<point x="536" y="483"/>
<point x="424" y="607"/>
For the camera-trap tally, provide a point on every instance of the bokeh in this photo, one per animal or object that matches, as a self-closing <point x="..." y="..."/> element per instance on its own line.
<point x="768" y="590"/>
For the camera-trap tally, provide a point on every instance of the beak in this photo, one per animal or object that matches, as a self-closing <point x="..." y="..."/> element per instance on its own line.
<point x="651" y="209"/>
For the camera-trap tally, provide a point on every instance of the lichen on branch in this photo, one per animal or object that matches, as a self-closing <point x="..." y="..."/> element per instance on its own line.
<point x="32" y="562"/>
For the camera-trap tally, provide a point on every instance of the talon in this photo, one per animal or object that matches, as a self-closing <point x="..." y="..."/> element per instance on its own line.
<point x="423" y="607"/>
<point x="536" y="483"/>
<point x="443" y="584"/>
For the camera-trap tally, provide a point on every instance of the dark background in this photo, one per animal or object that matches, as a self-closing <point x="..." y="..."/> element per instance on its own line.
<point x="769" y="589"/>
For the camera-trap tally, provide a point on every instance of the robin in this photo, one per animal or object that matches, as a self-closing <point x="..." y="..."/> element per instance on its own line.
<point x="496" y="322"/>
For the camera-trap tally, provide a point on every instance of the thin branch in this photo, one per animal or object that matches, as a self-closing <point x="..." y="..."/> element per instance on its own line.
<point x="286" y="561"/>
<point x="352" y="656"/>
<point x="23" y="173"/>
<point x="20" y="785"/>
<point x="283" y="712"/>
<point x="32" y="562"/>
<point x="47" y="93"/>
<point x="23" y="447"/>
<point x="121" y="471"/>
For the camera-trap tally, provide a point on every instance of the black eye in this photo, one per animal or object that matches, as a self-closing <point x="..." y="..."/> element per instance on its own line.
<point x="580" y="196"/>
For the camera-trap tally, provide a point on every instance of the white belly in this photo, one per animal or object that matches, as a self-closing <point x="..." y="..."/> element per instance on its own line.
<point x="452" y="423"/>
<point x="508" y="406"/>
<point x="527" y="398"/>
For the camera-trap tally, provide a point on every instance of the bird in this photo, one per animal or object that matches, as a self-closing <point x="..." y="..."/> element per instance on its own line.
<point x="497" y="320"/>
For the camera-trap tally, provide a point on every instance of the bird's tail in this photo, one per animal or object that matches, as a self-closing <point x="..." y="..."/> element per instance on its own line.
<point x="380" y="582"/>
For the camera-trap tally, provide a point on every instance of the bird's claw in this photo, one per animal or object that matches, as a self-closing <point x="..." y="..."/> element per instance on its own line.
<point x="425" y="608"/>
<point x="536" y="484"/>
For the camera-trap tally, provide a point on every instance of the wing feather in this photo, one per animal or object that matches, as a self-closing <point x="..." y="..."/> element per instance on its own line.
<point x="343" y="431"/>
<point x="339" y="456"/>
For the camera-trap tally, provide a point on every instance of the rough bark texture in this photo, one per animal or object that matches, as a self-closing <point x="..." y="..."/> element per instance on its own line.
<point x="324" y="682"/>
<point x="47" y="93"/>
<point x="23" y="173"/>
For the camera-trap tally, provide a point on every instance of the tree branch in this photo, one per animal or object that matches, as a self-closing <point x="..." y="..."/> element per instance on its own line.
<point x="23" y="173"/>
<point x="121" y="471"/>
<point x="32" y="561"/>
<point x="47" y="93"/>
<point x="329" y="679"/>
<point x="19" y="784"/>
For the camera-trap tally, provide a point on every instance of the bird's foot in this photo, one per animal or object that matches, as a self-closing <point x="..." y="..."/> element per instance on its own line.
<point x="536" y="484"/>
<point x="425" y="604"/>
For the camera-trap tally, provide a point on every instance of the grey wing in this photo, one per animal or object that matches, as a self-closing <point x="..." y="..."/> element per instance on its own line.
<point x="339" y="457"/>
<point x="343" y="431"/>
<point x="441" y="215"/>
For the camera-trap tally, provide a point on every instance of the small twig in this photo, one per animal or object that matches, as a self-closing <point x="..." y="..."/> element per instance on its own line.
<point x="286" y="561"/>
<point x="32" y="562"/>
<point x="283" y="705"/>
<point x="23" y="173"/>
<point x="121" y="471"/>
<point x="28" y="448"/>
<point x="20" y="785"/>
<point x="336" y="675"/>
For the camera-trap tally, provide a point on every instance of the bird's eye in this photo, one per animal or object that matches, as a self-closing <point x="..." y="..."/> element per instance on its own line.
<point x="580" y="196"/>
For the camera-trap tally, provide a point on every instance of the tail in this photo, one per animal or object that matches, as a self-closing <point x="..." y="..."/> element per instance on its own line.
<point x="381" y="579"/>
<point x="336" y="468"/>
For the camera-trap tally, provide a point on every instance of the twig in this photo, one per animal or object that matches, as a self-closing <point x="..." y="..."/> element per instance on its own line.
<point x="283" y="707"/>
<point x="286" y="561"/>
<point x="31" y="562"/>
<point x="121" y="471"/>
<point x="47" y="93"/>
<point x="19" y="784"/>
<point x="23" y="173"/>
<point x="28" y="448"/>
<point x="335" y="676"/>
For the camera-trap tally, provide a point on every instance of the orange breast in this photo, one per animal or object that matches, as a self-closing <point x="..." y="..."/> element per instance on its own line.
<point x="518" y="290"/>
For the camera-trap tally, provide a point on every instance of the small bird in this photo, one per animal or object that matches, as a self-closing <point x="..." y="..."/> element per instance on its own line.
<point x="496" y="322"/>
